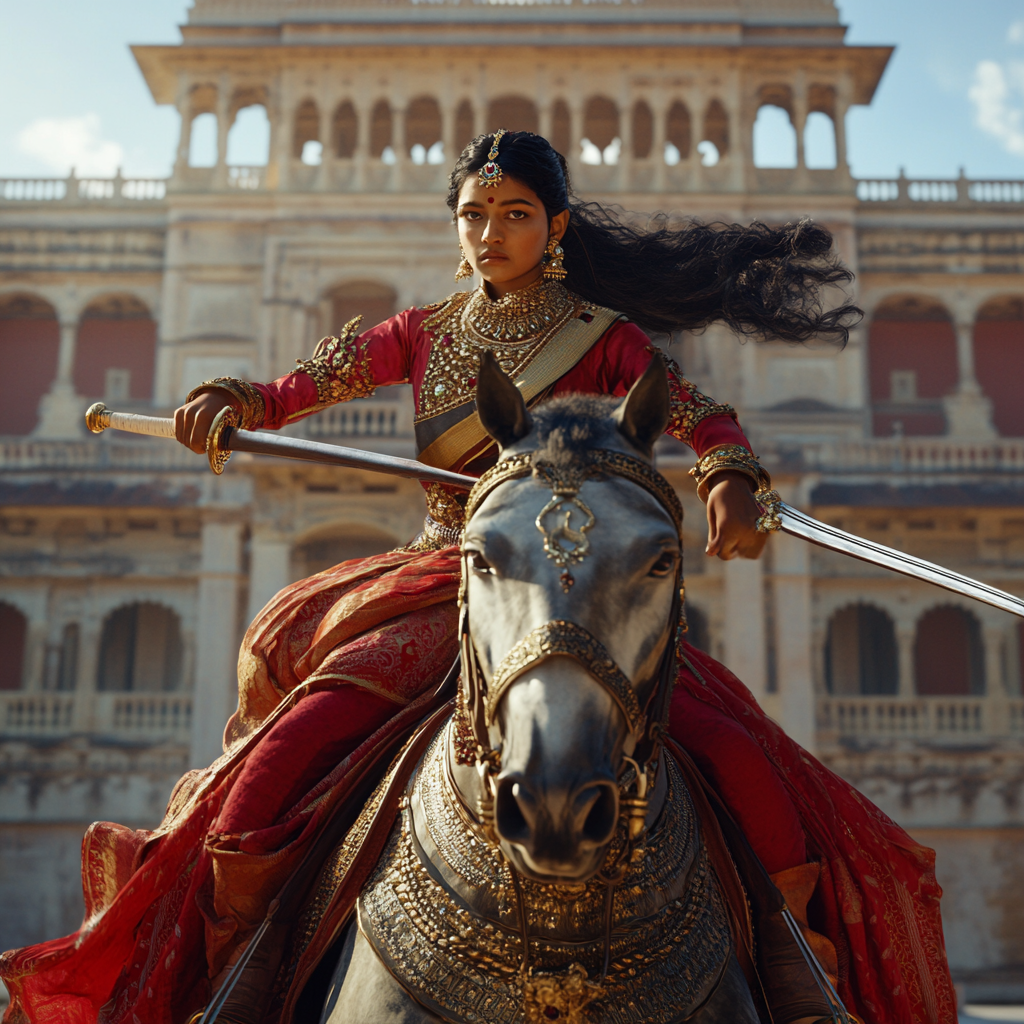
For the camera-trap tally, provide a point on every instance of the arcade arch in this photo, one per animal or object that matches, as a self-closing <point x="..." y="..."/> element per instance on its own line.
<point x="330" y="546"/>
<point x="949" y="655"/>
<point x="115" y="350"/>
<point x="372" y="300"/>
<point x="861" y="654"/>
<point x="999" y="360"/>
<point x="13" y="634"/>
<point x="141" y="649"/>
<point x="29" y="345"/>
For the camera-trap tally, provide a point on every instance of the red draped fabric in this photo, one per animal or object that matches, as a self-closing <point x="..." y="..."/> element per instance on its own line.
<point x="337" y="666"/>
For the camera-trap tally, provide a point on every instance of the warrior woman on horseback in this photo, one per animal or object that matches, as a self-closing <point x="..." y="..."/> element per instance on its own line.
<point x="339" y="670"/>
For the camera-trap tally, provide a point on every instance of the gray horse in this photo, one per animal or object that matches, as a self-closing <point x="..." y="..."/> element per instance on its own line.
<point x="547" y="863"/>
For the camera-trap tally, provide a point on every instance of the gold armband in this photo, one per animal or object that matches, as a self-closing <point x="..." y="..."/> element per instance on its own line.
<point x="729" y="457"/>
<point x="247" y="399"/>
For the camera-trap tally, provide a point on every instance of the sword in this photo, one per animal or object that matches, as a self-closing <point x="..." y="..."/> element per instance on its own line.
<point x="225" y="438"/>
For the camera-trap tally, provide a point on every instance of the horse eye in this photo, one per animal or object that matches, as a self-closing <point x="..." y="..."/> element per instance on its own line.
<point x="478" y="563"/>
<point x="664" y="565"/>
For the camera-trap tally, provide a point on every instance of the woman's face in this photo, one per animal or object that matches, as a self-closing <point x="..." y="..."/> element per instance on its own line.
<point x="504" y="232"/>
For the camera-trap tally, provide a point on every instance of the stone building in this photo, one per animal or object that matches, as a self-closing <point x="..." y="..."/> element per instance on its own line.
<point x="128" y="572"/>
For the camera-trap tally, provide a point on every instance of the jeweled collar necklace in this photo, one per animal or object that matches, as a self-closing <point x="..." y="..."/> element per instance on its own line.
<point x="518" y="316"/>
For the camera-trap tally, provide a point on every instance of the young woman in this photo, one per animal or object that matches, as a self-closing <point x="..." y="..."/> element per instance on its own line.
<point x="339" y="665"/>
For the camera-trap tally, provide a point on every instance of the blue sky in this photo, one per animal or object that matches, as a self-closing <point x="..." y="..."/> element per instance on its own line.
<point x="952" y="96"/>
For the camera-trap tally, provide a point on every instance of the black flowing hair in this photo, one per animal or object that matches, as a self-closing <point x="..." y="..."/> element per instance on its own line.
<point x="762" y="281"/>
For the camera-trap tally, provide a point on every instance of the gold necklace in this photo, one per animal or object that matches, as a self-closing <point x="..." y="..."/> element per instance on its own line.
<point x="515" y="328"/>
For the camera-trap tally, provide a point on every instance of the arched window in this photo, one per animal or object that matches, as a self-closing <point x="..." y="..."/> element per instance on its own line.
<point x="774" y="137"/>
<point x="140" y="649"/>
<point x="678" y="133"/>
<point x="329" y="548"/>
<point x="819" y="142"/>
<point x="423" y="130"/>
<point x="949" y="659"/>
<point x="514" y="113"/>
<point x="306" y="135"/>
<point x="29" y="342"/>
<point x="642" y="129"/>
<point x="249" y="137"/>
<point x="373" y="301"/>
<point x="697" y="634"/>
<point x="381" y="130"/>
<point x="912" y="364"/>
<point x="465" y="125"/>
<point x="13" y="630"/>
<point x="345" y="130"/>
<point x="115" y="355"/>
<point x="601" y="130"/>
<point x="714" y="143"/>
<point x="561" y="127"/>
<point x="202" y="140"/>
<point x="861" y="656"/>
<point x="999" y="361"/>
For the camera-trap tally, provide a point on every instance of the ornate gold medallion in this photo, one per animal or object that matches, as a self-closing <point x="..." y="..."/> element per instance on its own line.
<point x="559" y="997"/>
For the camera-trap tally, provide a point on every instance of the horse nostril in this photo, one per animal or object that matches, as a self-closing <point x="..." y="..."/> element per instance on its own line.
<point x="603" y="815"/>
<point x="514" y="809"/>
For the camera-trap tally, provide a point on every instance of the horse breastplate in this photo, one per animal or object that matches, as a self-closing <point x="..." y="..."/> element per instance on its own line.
<point x="441" y="913"/>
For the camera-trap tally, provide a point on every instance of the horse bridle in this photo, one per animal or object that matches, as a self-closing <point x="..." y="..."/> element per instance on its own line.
<point x="562" y="637"/>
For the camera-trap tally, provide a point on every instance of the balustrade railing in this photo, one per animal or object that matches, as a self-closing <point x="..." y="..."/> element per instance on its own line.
<point x="144" y="717"/>
<point x="140" y="454"/>
<point x="917" y="456"/>
<point x="36" y="714"/>
<point x="74" y="189"/>
<point x="939" y="190"/>
<point x="952" y="719"/>
<point x="367" y="418"/>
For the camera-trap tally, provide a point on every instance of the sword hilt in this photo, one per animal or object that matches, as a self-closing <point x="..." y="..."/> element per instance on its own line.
<point x="98" y="418"/>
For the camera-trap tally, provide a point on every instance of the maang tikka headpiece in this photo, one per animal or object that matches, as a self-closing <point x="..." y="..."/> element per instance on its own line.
<point x="490" y="173"/>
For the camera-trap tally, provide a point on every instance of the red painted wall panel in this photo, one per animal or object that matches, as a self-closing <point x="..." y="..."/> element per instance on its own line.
<point x="999" y="365"/>
<point x="128" y="344"/>
<point x="28" y="365"/>
<point x="12" y="642"/>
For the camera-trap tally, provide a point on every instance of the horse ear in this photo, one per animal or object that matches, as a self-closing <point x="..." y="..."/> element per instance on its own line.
<point x="644" y="413"/>
<point x="499" y="403"/>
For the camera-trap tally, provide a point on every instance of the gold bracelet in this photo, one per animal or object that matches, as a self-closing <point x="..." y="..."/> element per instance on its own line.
<point x="729" y="457"/>
<point x="249" y="400"/>
<point x="770" y="504"/>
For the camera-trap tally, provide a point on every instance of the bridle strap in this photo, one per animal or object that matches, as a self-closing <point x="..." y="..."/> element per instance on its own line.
<point x="560" y="637"/>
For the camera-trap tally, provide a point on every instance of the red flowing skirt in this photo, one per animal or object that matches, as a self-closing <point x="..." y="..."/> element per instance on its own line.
<point x="339" y="664"/>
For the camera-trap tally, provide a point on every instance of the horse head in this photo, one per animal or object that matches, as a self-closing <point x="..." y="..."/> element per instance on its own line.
<point x="571" y="574"/>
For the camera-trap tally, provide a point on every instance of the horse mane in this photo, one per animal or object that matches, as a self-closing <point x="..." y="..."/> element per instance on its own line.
<point x="567" y="426"/>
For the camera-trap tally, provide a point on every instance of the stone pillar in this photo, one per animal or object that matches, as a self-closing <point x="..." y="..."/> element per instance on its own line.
<point x="794" y="651"/>
<point x="87" y="674"/>
<point x="361" y="156"/>
<point x="968" y="409"/>
<point x="214" y="694"/>
<point x="659" y="111"/>
<point x="798" y="116"/>
<point x="905" y="636"/>
<point x="61" y="411"/>
<point x="220" y="174"/>
<point x="839" y="123"/>
<point x="185" y="137"/>
<point x="269" y="564"/>
<point x="745" y="649"/>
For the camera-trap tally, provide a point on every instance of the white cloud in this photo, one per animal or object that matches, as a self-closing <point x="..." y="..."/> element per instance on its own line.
<point x="998" y="97"/>
<point x="65" y="142"/>
<point x="1016" y="33"/>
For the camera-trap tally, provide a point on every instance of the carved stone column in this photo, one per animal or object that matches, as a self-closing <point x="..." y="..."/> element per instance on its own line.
<point x="791" y="588"/>
<point x="968" y="409"/>
<point x="269" y="564"/>
<point x="745" y="647"/>
<point x="60" y="409"/>
<point x="220" y="174"/>
<point x="184" y="104"/>
<point x="905" y="637"/>
<point x="215" y="693"/>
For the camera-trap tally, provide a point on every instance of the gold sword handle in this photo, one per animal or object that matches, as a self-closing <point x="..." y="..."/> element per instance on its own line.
<point x="98" y="418"/>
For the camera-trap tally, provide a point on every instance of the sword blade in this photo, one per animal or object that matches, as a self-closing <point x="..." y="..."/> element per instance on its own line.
<point x="801" y="525"/>
<point x="259" y="442"/>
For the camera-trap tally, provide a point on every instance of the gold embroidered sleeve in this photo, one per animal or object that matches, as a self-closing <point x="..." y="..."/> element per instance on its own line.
<point x="340" y="367"/>
<point x="689" y="406"/>
<point x="246" y="399"/>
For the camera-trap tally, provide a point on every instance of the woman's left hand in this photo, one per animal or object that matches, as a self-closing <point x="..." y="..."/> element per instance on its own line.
<point x="732" y="518"/>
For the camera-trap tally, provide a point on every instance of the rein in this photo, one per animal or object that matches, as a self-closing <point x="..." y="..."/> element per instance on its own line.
<point x="563" y="637"/>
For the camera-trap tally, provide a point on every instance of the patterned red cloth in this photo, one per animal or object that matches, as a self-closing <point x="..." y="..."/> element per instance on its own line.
<point x="350" y="654"/>
<point x="355" y="647"/>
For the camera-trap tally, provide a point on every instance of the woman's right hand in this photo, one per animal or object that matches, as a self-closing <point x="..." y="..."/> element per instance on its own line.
<point x="193" y="420"/>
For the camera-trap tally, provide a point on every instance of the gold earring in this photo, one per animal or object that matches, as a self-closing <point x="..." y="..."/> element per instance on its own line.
<point x="465" y="267"/>
<point x="554" y="254"/>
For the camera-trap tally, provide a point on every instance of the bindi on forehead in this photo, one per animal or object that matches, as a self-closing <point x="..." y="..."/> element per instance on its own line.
<point x="490" y="199"/>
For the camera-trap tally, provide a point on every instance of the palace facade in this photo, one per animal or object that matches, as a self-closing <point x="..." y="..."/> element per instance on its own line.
<point x="128" y="572"/>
